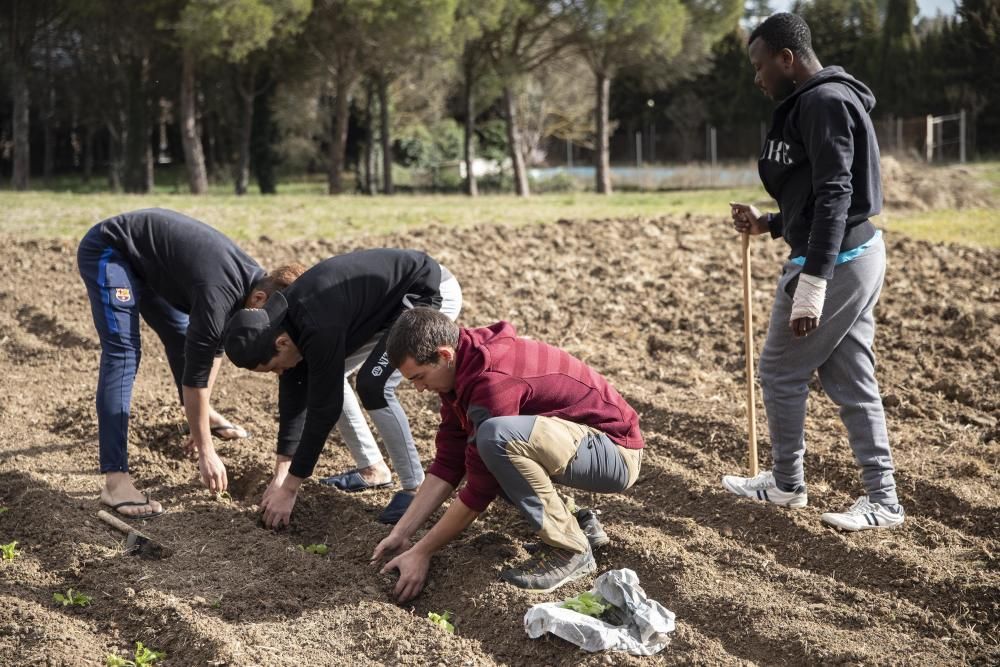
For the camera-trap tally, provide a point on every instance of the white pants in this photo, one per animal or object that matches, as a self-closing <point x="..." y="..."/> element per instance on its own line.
<point x="391" y="421"/>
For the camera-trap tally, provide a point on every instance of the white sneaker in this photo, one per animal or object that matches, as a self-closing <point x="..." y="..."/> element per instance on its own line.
<point x="864" y="515"/>
<point x="763" y="487"/>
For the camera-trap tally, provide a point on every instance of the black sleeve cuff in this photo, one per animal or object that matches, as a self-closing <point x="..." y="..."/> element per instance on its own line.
<point x="775" y="224"/>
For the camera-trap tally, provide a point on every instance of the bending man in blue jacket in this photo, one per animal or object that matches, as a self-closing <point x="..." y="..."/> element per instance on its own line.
<point x="820" y="162"/>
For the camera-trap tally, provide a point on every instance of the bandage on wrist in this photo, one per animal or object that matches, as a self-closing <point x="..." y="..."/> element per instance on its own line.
<point x="810" y="294"/>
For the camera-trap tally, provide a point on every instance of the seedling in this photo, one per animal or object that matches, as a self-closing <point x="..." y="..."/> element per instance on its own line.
<point x="589" y="604"/>
<point x="72" y="598"/>
<point x="442" y="620"/>
<point x="143" y="657"/>
<point x="3" y="509"/>
<point x="318" y="549"/>
<point x="223" y="497"/>
<point x="7" y="551"/>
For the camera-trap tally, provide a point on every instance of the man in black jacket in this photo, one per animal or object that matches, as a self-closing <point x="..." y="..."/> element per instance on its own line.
<point x="337" y="312"/>
<point x="820" y="161"/>
<point x="185" y="280"/>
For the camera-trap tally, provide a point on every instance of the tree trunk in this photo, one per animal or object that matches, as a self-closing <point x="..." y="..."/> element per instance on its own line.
<point x="513" y="134"/>
<point x="21" y="127"/>
<point x="383" y="103"/>
<point x="49" y="136"/>
<point x="48" y="116"/>
<point x="471" y="187"/>
<point x="138" y="154"/>
<point x="246" y="93"/>
<point x="194" y="156"/>
<point x="338" y="143"/>
<point x="116" y="152"/>
<point x="264" y="136"/>
<point x="369" y="154"/>
<point x="603" y="153"/>
<point x="88" y="152"/>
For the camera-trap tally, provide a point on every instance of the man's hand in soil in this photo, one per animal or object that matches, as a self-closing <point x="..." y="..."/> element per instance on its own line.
<point x="391" y="546"/>
<point x="747" y="219"/>
<point x="190" y="448"/>
<point x="412" y="566"/>
<point x="277" y="505"/>
<point x="213" y="471"/>
<point x="281" y="466"/>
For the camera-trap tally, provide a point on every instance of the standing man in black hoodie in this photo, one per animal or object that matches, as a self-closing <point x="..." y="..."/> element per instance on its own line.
<point x="820" y="162"/>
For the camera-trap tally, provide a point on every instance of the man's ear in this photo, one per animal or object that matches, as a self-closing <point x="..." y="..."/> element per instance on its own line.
<point x="257" y="299"/>
<point x="446" y="353"/>
<point x="787" y="59"/>
<point x="283" y="340"/>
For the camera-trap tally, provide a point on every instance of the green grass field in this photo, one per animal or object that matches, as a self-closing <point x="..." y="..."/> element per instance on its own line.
<point x="300" y="210"/>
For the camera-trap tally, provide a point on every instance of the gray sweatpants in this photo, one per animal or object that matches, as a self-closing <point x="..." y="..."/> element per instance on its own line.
<point x="840" y="349"/>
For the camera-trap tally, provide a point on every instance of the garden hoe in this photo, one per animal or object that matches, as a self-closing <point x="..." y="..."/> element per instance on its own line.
<point x="748" y="344"/>
<point x="136" y="543"/>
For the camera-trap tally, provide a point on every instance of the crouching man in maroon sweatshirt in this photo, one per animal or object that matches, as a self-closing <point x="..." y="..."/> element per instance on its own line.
<point x="517" y="415"/>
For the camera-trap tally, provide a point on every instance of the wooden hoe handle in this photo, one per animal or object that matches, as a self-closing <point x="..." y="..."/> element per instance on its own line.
<point x="748" y="345"/>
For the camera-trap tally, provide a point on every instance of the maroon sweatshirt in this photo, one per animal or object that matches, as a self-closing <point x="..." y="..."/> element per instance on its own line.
<point x="498" y="374"/>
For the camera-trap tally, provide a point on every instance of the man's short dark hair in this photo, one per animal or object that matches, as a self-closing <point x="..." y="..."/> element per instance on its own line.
<point x="786" y="31"/>
<point x="418" y="333"/>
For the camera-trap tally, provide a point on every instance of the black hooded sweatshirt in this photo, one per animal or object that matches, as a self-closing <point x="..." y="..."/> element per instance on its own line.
<point x="820" y="162"/>
<point x="333" y="309"/>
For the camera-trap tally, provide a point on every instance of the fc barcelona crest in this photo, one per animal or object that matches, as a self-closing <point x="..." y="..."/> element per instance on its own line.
<point x="123" y="294"/>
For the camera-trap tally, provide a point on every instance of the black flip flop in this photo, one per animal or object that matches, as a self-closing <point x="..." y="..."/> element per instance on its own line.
<point x="133" y="503"/>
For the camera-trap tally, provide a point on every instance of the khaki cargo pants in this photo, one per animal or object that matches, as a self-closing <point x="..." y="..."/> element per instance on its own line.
<point x="527" y="455"/>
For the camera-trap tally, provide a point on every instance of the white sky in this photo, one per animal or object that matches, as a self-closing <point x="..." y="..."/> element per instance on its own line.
<point x="927" y="7"/>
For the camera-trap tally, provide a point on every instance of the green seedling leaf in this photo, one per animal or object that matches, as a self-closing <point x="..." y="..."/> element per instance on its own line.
<point x="3" y="509"/>
<point x="442" y="620"/>
<point x="146" y="656"/>
<point x="143" y="658"/>
<point x="72" y="598"/>
<point x="318" y="549"/>
<point x="590" y="604"/>
<point x="7" y="551"/>
<point x="223" y="497"/>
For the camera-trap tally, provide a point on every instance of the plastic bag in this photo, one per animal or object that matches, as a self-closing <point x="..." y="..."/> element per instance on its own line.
<point x="640" y="626"/>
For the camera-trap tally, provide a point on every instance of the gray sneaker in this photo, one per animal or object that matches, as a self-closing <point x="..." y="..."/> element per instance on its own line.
<point x="592" y="528"/>
<point x="549" y="568"/>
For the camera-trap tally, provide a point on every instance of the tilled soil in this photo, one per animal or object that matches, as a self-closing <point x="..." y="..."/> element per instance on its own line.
<point x="656" y="306"/>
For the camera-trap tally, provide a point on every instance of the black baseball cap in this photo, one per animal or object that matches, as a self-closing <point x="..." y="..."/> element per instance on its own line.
<point x="250" y="333"/>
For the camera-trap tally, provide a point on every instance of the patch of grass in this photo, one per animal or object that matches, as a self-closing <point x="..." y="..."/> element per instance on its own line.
<point x="297" y="216"/>
<point x="973" y="226"/>
<point x="302" y="211"/>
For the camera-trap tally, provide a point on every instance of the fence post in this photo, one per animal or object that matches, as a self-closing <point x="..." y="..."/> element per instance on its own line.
<point x="638" y="149"/>
<point x="961" y="132"/>
<point x="930" y="139"/>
